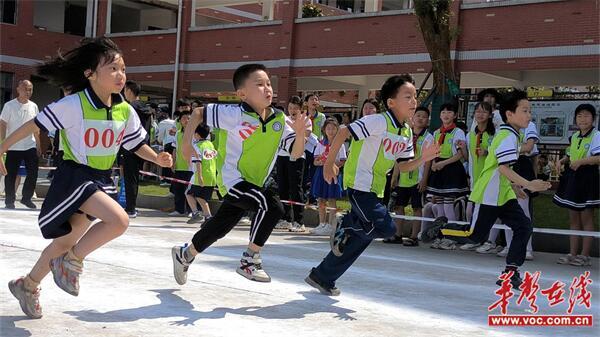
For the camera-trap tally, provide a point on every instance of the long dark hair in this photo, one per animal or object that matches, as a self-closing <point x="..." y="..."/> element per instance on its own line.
<point x="67" y="71"/>
<point x="489" y="127"/>
<point x="328" y="121"/>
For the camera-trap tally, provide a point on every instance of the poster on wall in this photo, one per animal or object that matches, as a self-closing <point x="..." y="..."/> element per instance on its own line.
<point x="555" y="120"/>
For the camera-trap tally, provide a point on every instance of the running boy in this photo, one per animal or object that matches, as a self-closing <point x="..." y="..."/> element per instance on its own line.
<point x="495" y="192"/>
<point x="252" y="133"/>
<point x="94" y="123"/>
<point x="204" y="178"/>
<point x="380" y="141"/>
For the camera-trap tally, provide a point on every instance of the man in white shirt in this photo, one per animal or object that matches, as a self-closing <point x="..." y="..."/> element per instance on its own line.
<point x="14" y="114"/>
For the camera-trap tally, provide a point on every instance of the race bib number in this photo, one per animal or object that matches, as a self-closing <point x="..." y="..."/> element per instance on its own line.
<point x="209" y="154"/>
<point x="393" y="146"/>
<point x="103" y="138"/>
<point x="246" y="128"/>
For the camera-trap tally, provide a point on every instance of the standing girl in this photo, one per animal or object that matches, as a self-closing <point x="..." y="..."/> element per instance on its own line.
<point x="478" y="142"/>
<point x="578" y="188"/>
<point x="325" y="193"/>
<point x="448" y="179"/>
<point x="94" y="123"/>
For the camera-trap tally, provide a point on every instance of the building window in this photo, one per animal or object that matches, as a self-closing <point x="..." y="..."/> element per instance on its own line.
<point x="69" y="17"/>
<point x="248" y="12"/>
<point x="6" y="87"/>
<point x="137" y="16"/>
<point x="8" y="11"/>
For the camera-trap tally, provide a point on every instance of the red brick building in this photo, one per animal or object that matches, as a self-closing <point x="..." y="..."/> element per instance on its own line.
<point x="359" y="43"/>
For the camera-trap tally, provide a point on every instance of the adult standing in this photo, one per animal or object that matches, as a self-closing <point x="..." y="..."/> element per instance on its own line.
<point x="14" y="114"/>
<point x="131" y="162"/>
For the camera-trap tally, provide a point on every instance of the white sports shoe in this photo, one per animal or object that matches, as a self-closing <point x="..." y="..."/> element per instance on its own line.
<point x="284" y="225"/>
<point x="487" y="248"/>
<point x="245" y="221"/>
<point x="470" y="246"/>
<point x="447" y="244"/>
<point x="251" y="268"/>
<point x="323" y="229"/>
<point x="503" y="252"/>
<point x="297" y="228"/>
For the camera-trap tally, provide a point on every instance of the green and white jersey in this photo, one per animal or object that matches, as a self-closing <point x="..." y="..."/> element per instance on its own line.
<point x="583" y="146"/>
<point x="248" y="145"/>
<point x="476" y="163"/>
<point x="530" y="132"/>
<point x="180" y="163"/>
<point x="492" y="188"/>
<point x="380" y="141"/>
<point x="411" y="178"/>
<point x="450" y="146"/>
<point x="318" y="120"/>
<point x="205" y="153"/>
<point x="92" y="133"/>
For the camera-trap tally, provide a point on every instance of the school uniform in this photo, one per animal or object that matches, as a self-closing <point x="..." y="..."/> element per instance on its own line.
<point x="206" y="155"/>
<point x="524" y="165"/>
<point x="91" y="135"/>
<point x="379" y="142"/>
<point x="408" y="188"/>
<point x="494" y="198"/>
<point x="319" y="187"/>
<point x="450" y="181"/>
<point x="182" y="172"/>
<point x="246" y="154"/>
<point x="578" y="189"/>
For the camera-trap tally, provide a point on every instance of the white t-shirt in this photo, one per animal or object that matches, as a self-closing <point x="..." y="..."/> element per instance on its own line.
<point x="163" y="135"/>
<point x="16" y="114"/>
<point x="530" y="132"/>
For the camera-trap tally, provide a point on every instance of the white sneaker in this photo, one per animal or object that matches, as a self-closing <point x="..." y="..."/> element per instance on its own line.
<point x="447" y="244"/>
<point x="251" y="268"/>
<point x="245" y="221"/>
<point x="529" y="255"/>
<point x="180" y="264"/>
<point x="316" y="229"/>
<point x="283" y="225"/>
<point x="297" y="228"/>
<point x="470" y="246"/>
<point x="567" y="259"/>
<point x="503" y="252"/>
<point x="436" y="243"/>
<point x="581" y="261"/>
<point x="487" y="248"/>
<point x="323" y="229"/>
<point x="175" y="213"/>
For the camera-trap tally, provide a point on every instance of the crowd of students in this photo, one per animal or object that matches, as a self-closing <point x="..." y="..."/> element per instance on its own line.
<point x="314" y="153"/>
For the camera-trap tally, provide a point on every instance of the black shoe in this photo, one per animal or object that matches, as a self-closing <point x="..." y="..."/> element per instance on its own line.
<point x="314" y="282"/>
<point x="10" y="206"/>
<point x="515" y="280"/>
<point x="434" y="231"/>
<point x="28" y="204"/>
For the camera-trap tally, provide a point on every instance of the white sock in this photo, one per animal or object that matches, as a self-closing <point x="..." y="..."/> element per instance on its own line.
<point x="449" y="209"/>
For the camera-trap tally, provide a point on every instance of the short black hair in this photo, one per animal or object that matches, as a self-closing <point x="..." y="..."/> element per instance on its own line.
<point x="203" y="130"/>
<point x="448" y="106"/>
<point x="490" y="91"/>
<point x="423" y="108"/>
<point x="373" y="101"/>
<point x="586" y="107"/>
<point x="308" y="96"/>
<point x="242" y="73"/>
<point x="295" y="100"/>
<point x="134" y="87"/>
<point x="510" y="102"/>
<point x="182" y="102"/>
<point x="390" y="88"/>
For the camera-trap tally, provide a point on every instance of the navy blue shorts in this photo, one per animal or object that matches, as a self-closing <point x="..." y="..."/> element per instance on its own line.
<point x="202" y="192"/>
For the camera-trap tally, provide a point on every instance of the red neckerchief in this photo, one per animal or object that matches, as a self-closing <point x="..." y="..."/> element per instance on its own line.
<point x="479" y="137"/>
<point x="312" y="117"/>
<point x="444" y="131"/>
<point x="416" y="139"/>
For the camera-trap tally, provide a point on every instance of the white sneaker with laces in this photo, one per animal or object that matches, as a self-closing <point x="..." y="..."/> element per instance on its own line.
<point x="503" y="252"/>
<point x="448" y="244"/>
<point x="325" y="229"/>
<point x="316" y="229"/>
<point x="487" y="248"/>
<point x="284" y="225"/>
<point x="469" y="246"/>
<point x="245" y="221"/>
<point x="251" y="268"/>
<point x="297" y="228"/>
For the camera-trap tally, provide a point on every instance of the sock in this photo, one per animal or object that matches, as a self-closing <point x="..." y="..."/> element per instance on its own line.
<point x="438" y="210"/>
<point x="29" y="283"/>
<point x="250" y="252"/>
<point x="493" y="235"/>
<point x="72" y="256"/>
<point x="449" y="210"/>
<point x="187" y="255"/>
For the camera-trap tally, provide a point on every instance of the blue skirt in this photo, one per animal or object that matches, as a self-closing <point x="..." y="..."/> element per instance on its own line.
<point x="321" y="189"/>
